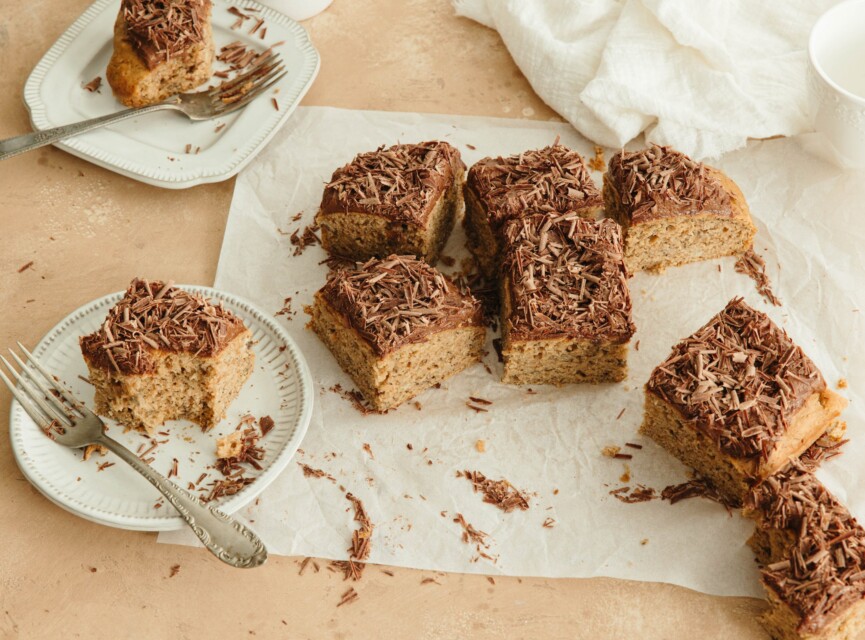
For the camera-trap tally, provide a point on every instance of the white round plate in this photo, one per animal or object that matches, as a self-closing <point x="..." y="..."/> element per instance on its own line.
<point x="152" y="148"/>
<point x="280" y="387"/>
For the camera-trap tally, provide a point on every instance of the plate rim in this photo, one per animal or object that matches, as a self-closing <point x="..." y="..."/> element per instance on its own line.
<point x="306" y="397"/>
<point x="184" y="177"/>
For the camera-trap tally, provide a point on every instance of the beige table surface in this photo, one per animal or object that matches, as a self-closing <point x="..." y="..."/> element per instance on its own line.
<point x="90" y="231"/>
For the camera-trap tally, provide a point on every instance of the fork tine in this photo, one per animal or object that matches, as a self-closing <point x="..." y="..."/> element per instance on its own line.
<point x="249" y="97"/>
<point x="25" y="402"/>
<point x="249" y="87"/>
<point x="63" y="391"/>
<point x="228" y="85"/>
<point x="47" y="393"/>
<point x="34" y="396"/>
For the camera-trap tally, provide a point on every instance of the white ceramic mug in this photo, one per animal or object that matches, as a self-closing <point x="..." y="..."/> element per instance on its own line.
<point x="837" y="52"/>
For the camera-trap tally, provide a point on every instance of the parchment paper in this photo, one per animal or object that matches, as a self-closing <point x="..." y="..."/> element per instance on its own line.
<point x="549" y="444"/>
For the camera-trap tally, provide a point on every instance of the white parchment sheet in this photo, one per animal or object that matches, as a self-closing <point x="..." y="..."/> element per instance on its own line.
<point x="810" y="217"/>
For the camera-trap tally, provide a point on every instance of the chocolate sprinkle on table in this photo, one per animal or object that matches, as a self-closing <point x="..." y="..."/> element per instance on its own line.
<point x="738" y="379"/>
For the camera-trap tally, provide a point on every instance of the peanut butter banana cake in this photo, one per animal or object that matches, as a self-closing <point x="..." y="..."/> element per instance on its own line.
<point x="397" y="326"/>
<point x="166" y="354"/>
<point x="674" y="210"/>
<point x="813" y="556"/>
<point x="161" y="48"/>
<point x="566" y="308"/>
<point x="737" y="400"/>
<point x="403" y="199"/>
<point x="554" y="179"/>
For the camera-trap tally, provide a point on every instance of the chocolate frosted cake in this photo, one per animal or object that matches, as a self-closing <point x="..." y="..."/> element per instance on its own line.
<point x="674" y="210"/>
<point x="737" y="400"/>
<point x="397" y="326"/>
<point x="813" y="556"/>
<point x="554" y="179"/>
<point x="161" y="48"/>
<point x="566" y="309"/>
<point x="166" y="354"/>
<point x="401" y="200"/>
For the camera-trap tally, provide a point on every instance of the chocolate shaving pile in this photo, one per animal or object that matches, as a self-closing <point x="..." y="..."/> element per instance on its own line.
<point x="640" y="493"/>
<point x="249" y="453"/>
<point x="824" y="571"/>
<point x="303" y="238"/>
<point x="401" y="182"/>
<point x="160" y="29"/>
<point x="499" y="493"/>
<point x="696" y="488"/>
<point x="553" y="179"/>
<point x="754" y="267"/>
<point x="739" y="379"/>
<point x="156" y="316"/>
<point x="650" y="180"/>
<point x="360" y="543"/>
<point x="395" y="300"/>
<point x="567" y="278"/>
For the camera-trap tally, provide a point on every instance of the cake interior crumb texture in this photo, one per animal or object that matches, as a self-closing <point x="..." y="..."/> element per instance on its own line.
<point x="566" y="309"/>
<point x="172" y="357"/>
<point x="401" y="200"/>
<point x="675" y="211"/>
<point x="160" y="49"/>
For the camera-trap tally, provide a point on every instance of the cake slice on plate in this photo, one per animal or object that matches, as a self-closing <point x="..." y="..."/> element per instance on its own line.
<point x="397" y="326"/>
<point x="161" y="48"/>
<point x="163" y="353"/>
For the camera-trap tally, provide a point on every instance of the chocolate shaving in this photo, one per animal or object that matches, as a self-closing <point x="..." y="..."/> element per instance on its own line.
<point x="93" y="85"/>
<point x="639" y="494"/>
<point x="266" y="424"/>
<point x="302" y="238"/>
<point x="26" y="266"/>
<point x="753" y="266"/>
<point x="360" y="543"/>
<point x="696" y="488"/>
<point x="738" y="380"/>
<point x="499" y="493"/>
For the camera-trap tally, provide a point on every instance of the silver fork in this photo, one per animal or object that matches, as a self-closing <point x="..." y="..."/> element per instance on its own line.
<point x="53" y="408"/>
<point x="203" y="105"/>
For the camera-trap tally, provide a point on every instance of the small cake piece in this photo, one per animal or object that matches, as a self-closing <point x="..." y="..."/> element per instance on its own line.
<point x="397" y="326"/>
<point x="674" y="210"/>
<point x="566" y="309"/>
<point x="813" y="556"/>
<point x="166" y="354"/>
<point x="161" y="48"/>
<point x="553" y="179"/>
<point x="738" y="400"/>
<point x="401" y="200"/>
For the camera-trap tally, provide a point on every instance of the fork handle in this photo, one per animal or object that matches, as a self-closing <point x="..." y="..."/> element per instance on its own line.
<point x="226" y="538"/>
<point x="19" y="144"/>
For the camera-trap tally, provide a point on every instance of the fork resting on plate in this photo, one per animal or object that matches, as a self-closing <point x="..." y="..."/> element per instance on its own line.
<point x="229" y="96"/>
<point x="53" y="408"/>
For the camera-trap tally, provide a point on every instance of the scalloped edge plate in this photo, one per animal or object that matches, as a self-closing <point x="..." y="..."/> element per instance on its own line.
<point x="152" y="148"/>
<point x="280" y="386"/>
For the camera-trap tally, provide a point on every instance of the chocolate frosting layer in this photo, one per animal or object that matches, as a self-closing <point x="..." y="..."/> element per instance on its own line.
<point x="567" y="278"/>
<point x="401" y="182"/>
<point x="660" y="182"/>
<point x="739" y="379"/>
<point x="155" y="316"/>
<point x="161" y="29"/>
<point x="397" y="300"/>
<point x="824" y="572"/>
<point x="552" y="179"/>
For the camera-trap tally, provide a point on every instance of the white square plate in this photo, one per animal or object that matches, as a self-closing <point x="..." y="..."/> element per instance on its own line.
<point x="152" y="148"/>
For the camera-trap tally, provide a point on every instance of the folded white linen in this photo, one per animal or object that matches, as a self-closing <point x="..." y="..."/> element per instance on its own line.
<point x="700" y="75"/>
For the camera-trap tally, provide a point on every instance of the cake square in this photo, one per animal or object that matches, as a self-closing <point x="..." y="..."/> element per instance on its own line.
<point x="674" y="210"/>
<point x="566" y="308"/>
<point x="163" y="353"/>
<point x="552" y="179"/>
<point x="397" y="326"/>
<point x="161" y="48"/>
<point x="737" y="400"/>
<point x="812" y="552"/>
<point x="401" y="200"/>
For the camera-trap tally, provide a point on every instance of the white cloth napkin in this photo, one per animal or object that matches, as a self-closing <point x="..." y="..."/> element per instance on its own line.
<point x="700" y="75"/>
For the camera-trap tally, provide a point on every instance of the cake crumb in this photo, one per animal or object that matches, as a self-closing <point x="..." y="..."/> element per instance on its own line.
<point x="598" y="163"/>
<point x="626" y="476"/>
<point x="90" y="449"/>
<point x="611" y="451"/>
<point x="417" y="405"/>
<point x="229" y="446"/>
<point x="481" y="446"/>
<point x="842" y="383"/>
<point x="644" y="541"/>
